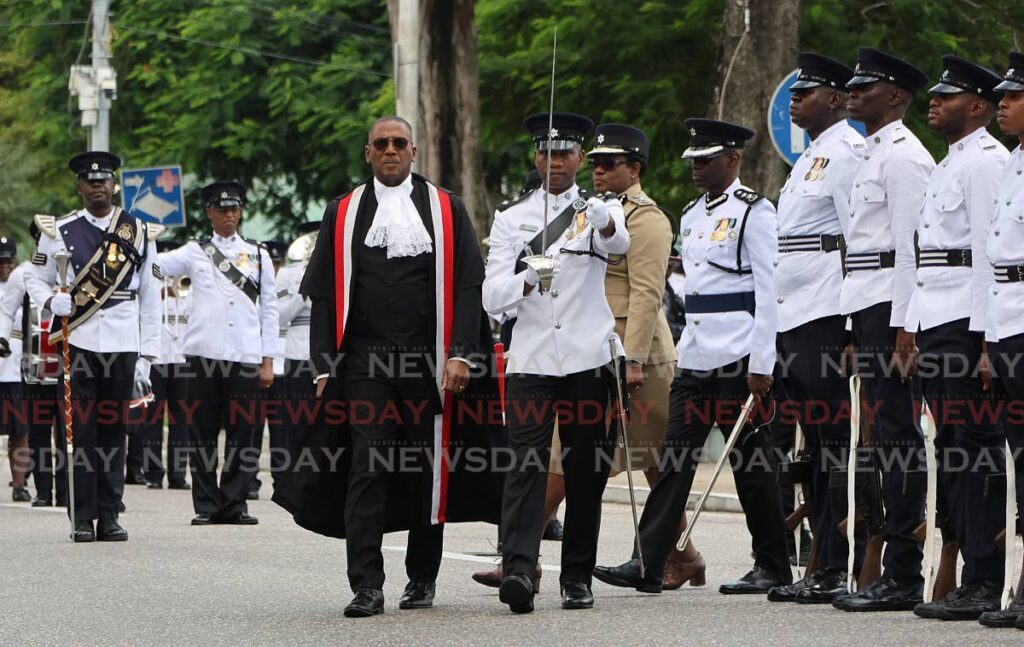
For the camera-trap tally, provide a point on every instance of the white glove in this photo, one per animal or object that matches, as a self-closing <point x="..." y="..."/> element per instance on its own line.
<point x="142" y="366"/>
<point x="533" y="278"/>
<point x="60" y="304"/>
<point x="597" y="213"/>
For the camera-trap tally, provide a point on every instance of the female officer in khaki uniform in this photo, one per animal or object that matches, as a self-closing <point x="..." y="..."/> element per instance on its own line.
<point x="635" y="288"/>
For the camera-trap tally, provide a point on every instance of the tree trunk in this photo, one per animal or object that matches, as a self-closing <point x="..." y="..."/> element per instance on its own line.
<point x="448" y="140"/>
<point x="760" y="58"/>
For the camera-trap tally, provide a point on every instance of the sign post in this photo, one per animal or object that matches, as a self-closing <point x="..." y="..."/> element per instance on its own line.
<point x="154" y="195"/>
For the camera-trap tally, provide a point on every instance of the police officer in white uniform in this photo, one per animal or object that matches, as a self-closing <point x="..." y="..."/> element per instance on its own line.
<point x="559" y="347"/>
<point x="113" y="315"/>
<point x="1005" y="319"/>
<point x="947" y="312"/>
<point x="887" y="194"/>
<point x="230" y="343"/>
<point x="814" y="211"/>
<point x="10" y="376"/>
<point x="726" y="351"/>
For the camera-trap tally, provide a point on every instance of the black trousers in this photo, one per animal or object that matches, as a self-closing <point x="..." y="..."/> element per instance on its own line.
<point x="580" y="401"/>
<point x="135" y="458"/>
<point x="370" y="386"/>
<point x="817" y="395"/>
<point x="1007" y="360"/>
<point x="40" y="404"/>
<point x="220" y="394"/>
<point x="897" y="438"/>
<point x="970" y="443"/>
<point x="101" y="387"/>
<point x="169" y="393"/>
<point x="699" y="400"/>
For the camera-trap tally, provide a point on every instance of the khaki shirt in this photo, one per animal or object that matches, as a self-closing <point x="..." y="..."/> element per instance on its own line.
<point x="635" y="286"/>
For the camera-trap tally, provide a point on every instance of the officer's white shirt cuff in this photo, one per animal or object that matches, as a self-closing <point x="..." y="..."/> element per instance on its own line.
<point x="463" y="360"/>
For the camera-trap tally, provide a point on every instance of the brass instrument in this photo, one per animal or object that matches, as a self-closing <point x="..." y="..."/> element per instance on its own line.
<point x="179" y="287"/>
<point x="302" y="248"/>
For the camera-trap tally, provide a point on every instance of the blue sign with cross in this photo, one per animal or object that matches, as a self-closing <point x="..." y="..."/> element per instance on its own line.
<point x="789" y="140"/>
<point x="154" y="195"/>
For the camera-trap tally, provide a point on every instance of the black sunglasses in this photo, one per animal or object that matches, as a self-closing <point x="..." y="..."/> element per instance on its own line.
<point x="381" y="143"/>
<point x="607" y="165"/>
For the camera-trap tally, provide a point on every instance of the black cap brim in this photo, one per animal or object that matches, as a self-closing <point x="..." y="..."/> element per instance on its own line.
<point x="703" y="152"/>
<point x="803" y="85"/>
<point x="1009" y="86"/>
<point x="226" y="202"/>
<point x="945" y="88"/>
<point x="858" y="81"/>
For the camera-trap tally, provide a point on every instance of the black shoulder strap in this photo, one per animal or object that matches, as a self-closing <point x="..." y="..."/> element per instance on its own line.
<point x="555" y="229"/>
<point x="230" y="272"/>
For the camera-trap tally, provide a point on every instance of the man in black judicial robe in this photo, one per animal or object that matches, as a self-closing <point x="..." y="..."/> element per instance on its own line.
<point x="373" y="279"/>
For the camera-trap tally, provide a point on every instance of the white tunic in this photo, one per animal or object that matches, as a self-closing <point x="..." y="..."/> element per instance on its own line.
<point x="172" y="336"/>
<point x="1006" y="247"/>
<point x="815" y="200"/>
<point x="224" y="323"/>
<point x="956" y="213"/>
<point x="710" y="235"/>
<point x="567" y="329"/>
<point x="887" y="194"/>
<point x="130" y="326"/>
<point x="294" y="311"/>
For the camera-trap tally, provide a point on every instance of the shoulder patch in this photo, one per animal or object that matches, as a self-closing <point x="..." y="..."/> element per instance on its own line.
<point x="153" y="230"/>
<point x="641" y="199"/>
<point x="47" y="225"/>
<point x="282" y="294"/>
<point x="690" y="204"/>
<point x="514" y="201"/>
<point x="156" y="271"/>
<point x="39" y="259"/>
<point x="746" y="195"/>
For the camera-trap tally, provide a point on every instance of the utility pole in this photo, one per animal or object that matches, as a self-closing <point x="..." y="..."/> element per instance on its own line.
<point x="407" y="63"/>
<point x="96" y="85"/>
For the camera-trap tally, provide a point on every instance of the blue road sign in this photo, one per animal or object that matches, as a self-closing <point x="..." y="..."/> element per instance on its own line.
<point x="790" y="140"/>
<point x="154" y="194"/>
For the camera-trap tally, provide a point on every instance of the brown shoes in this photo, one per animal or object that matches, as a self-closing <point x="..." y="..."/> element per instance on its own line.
<point x="679" y="573"/>
<point x="494" y="576"/>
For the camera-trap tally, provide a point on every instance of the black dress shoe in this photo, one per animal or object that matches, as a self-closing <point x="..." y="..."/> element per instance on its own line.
<point x="154" y="485"/>
<point x="110" y="530"/>
<point x="83" y="532"/>
<point x="368" y="602"/>
<point x="202" y="519"/>
<point x="62" y="501"/>
<point x="418" y="595"/>
<point x="554" y="531"/>
<point x="758" y="580"/>
<point x="628" y="575"/>
<point x="121" y="507"/>
<point x="788" y="592"/>
<point x="962" y="603"/>
<point x="42" y="501"/>
<point x="20" y="495"/>
<point x="517" y="592"/>
<point x="884" y="594"/>
<point x="831" y="585"/>
<point x="178" y="486"/>
<point x="577" y="595"/>
<point x="254" y="495"/>
<point x="1004" y="619"/>
<point x="242" y="519"/>
<point x="134" y="479"/>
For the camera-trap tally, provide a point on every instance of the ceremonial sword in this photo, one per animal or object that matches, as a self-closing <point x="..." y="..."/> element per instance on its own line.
<point x="60" y="259"/>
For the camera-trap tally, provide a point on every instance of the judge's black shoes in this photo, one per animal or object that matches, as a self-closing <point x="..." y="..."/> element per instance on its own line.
<point x="1004" y="619"/>
<point x="962" y="603"/>
<point x="83" y="532"/>
<point x="884" y="594"/>
<point x="758" y="580"/>
<point x="628" y="575"/>
<point x="242" y="519"/>
<point x="517" y="592"/>
<point x="110" y="530"/>
<point x="202" y="519"/>
<point x="418" y="595"/>
<point x="577" y="595"/>
<point x="554" y="531"/>
<point x="368" y="602"/>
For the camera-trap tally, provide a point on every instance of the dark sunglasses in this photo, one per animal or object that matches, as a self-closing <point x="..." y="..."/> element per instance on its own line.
<point x="381" y="143"/>
<point x="607" y="165"/>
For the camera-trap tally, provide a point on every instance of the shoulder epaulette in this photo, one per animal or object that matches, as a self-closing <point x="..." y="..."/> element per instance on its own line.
<point x="516" y="200"/>
<point x="691" y="204"/>
<point x="854" y="140"/>
<point x="153" y="230"/>
<point x="67" y="215"/>
<point x="47" y="224"/>
<point x="746" y="195"/>
<point x="898" y="136"/>
<point x="987" y="143"/>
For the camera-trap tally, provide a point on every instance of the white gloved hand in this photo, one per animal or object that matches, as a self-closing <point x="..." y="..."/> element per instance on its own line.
<point x="533" y="278"/>
<point x="142" y="367"/>
<point x="597" y="213"/>
<point x="60" y="304"/>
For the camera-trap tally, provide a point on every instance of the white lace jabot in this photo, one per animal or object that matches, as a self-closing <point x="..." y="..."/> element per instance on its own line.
<point x="397" y="224"/>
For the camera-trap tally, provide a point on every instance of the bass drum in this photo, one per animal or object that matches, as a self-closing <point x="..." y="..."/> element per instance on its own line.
<point x="41" y="362"/>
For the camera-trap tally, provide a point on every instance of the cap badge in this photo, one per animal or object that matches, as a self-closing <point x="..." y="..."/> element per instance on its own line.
<point x="945" y="75"/>
<point x="95" y="166"/>
<point x="224" y="195"/>
<point x="693" y="132"/>
<point x="553" y="132"/>
<point x="600" y="138"/>
<point x="1011" y="72"/>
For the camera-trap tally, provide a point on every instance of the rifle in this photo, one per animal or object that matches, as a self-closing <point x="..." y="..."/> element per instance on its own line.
<point x="798" y="471"/>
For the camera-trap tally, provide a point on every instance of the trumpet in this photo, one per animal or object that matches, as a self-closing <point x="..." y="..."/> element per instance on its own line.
<point x="302" y="247"/>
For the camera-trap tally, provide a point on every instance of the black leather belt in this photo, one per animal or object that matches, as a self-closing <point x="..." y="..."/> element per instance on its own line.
<point x="810" y="243"/>
<point x="1009" y="273"/>
<point x="872" y="261"/>
<point x="732" y="302"/>
<point x="944" y="258"/>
